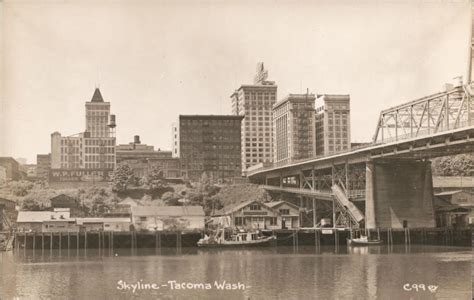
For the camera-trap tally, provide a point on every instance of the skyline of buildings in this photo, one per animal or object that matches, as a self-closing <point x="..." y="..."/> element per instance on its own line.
<point x="271" y="131"/>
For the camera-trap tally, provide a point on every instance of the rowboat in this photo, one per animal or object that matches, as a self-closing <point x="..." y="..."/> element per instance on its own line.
<point x="363" y="241"/>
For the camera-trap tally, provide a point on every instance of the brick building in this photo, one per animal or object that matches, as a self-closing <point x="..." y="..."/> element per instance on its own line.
<point x="210" y="144"/>
<point x="143" y="158"/>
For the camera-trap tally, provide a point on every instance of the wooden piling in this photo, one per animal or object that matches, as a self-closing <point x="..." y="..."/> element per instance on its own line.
<point x="68" y="240"/>
<point x="77" y="241"/>
<point x="24" y="243"/>
<point x="42" y="241"/>
<point x="60" y="240"/>
<point x="378" y="234"/>
<point x="51" y="242"/>
<point x="85" y="240"/>
<point x="34" y="240"/>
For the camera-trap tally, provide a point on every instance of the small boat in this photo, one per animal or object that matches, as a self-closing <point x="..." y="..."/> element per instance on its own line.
<point x="237" y="240"/>
<point x="363" y="241"/>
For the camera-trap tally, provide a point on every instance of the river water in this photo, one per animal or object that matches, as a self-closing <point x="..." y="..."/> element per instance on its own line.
<point x="376" y="272"/>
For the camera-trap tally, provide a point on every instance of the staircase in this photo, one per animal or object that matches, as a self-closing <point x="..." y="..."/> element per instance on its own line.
<point x="9" y="237"/>
<point x="348" y="211"/>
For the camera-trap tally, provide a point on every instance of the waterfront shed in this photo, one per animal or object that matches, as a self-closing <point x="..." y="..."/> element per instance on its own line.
<point x="289" y="213"/>
<point x="45" y="221"/>
<point x="251" y="214"/>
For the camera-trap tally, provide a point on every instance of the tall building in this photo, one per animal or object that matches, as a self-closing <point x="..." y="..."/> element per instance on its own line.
<point x="255" y="103"/>
<point x="210" y="144"/>
<point x="93" y="149"/>
<point x="333" y="124"/>
<point x="294" y="125"/>
<point x="175" y="139"/>
<point x="143" y="158"/>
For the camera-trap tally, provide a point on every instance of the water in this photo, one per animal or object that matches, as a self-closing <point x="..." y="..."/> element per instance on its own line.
<point x="376" y="272"/>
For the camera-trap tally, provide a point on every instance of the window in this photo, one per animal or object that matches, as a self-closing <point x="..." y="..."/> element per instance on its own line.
<point x="255" y="207"/>
<point x="239" y="221"/>
<point x="284" y="211"/>
<point x="142" y="219"/>
<point x="273" y="221"/>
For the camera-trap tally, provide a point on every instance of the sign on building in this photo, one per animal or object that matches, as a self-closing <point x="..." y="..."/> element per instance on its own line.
<point x="80" y="175"/>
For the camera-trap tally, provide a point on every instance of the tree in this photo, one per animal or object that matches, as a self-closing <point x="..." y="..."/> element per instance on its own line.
<point x="32" y="205"/>
<point x="156" y="179"/>
<point x="122" y="177"/>
<point x="170" y="199"/>
<point x="21" y="188"/>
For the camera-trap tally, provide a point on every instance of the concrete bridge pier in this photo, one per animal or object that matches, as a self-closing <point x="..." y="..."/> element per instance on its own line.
<point x="399" y="193"/>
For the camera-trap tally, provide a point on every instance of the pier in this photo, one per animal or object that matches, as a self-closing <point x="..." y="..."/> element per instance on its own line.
<point x="108" y="240"/>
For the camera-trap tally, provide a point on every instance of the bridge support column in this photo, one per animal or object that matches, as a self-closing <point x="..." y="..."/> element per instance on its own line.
<point x="399" y="193"/>
<point x="369" y="196"/>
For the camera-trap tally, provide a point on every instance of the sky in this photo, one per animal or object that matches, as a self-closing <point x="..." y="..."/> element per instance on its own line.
<point x="155" y="60"/>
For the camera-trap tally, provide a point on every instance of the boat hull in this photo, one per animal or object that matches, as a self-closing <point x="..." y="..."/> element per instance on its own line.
<point x="247" y="244"/>
<point x="363" y="243"/>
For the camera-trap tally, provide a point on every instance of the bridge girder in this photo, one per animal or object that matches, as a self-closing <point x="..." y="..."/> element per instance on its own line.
<point x="433" y="114"/>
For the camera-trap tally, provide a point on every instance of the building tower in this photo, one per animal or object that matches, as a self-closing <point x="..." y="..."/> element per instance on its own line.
<point x="333" y="124"/>
<point x="92" y="149"/>
<point x="255" y="102"/>
<point x="294" y="125"/>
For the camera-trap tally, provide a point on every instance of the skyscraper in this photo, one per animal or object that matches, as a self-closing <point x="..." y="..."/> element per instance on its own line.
<point x="333" y="126"/>
<point x="255" y="103"/>
<point x="294" y="125"/>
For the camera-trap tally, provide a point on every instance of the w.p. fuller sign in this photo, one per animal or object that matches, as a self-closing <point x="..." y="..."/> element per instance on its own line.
<point x="81" y="175"/>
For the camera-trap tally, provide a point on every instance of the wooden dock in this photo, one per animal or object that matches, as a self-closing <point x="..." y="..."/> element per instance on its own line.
<point x="108" y="240"/>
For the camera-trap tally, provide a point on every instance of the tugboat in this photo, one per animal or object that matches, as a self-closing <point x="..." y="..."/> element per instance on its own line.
<point x="236" y="240"/>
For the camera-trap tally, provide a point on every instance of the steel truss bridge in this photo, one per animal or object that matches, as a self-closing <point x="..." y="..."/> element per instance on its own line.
<point x="438" y="125"/>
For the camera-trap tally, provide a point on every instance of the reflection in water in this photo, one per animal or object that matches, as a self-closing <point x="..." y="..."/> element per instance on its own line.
<point x="281" y="272"/>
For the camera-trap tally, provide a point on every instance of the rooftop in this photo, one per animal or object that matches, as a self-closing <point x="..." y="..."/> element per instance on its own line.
<point x="41" y="216"/>
<point x="168" y="211"/>
<point x="102" y="220"/>
<point x="97" y="97"/>
<point x="207" y="117"/>
<point x="238" y="206"/>
<point x="296" y="97"/>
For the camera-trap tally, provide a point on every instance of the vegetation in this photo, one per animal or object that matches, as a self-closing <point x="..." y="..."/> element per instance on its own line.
<point x="457" y="165"/>
<point x="152" y="190"/>
<point x="123" y="177"/>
